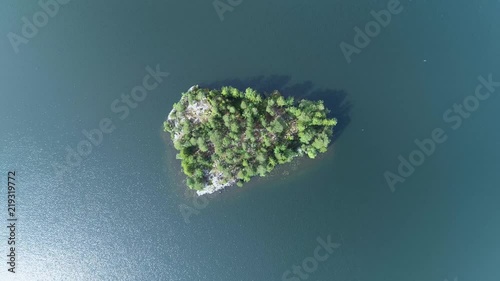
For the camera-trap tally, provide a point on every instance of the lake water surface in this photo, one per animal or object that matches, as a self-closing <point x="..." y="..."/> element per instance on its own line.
<point x="118" y="214"/>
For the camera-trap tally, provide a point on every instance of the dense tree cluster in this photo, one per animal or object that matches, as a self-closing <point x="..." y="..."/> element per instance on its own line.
<point x="226" y="136"/>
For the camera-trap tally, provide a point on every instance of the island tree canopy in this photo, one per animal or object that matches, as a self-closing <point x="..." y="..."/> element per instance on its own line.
<point x="226" y="136"/>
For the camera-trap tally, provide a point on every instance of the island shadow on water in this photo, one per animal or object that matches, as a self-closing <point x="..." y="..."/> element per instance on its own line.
<point x="335" y="100"/>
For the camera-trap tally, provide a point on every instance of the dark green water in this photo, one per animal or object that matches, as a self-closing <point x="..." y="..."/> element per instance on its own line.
<point x="116" y="216"/>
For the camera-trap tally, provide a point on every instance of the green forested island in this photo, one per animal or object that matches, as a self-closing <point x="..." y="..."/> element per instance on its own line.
<point x="226" y="136"/>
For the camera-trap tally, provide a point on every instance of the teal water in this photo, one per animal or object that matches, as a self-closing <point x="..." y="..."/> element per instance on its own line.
<point x="117" y="216"/>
